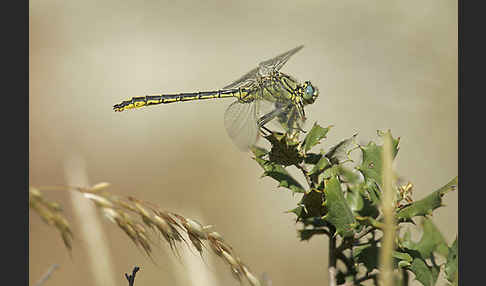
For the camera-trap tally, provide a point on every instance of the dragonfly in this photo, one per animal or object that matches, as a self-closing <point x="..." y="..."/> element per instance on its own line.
<point x="265" y="97"/>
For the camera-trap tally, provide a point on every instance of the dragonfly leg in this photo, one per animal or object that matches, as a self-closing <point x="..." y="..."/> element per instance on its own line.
<point x="264" y="129"/>
<point x="264" y="120"/>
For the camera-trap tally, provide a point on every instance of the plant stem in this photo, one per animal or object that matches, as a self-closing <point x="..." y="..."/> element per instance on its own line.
<point x="332" y="259"/>
<point x="306" y="174"/>
<point x="387" y="244"/>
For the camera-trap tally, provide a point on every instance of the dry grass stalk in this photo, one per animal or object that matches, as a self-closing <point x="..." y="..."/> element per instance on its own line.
<point x="139" y="219"/>
<point x="388" y="209"/>
<point x="51" y="213"/>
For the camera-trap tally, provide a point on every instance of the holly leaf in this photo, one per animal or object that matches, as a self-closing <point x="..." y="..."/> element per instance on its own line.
<point x="338" y="212"/>
<point x="426" y="205"/>
<point x="320" y="165"/>
<point x="430" y="242"/>
<point x="451" y="264"/>
<point x="340" y="152"/>
<point x="367" y="254"/>
<point x="284" y="150"/>
<point x="277" y="172"/>
<point x="372" y="161"/>
<point x="307" y="234"/>
<point x="427" y="275"/>
<point x="314" y="136"/>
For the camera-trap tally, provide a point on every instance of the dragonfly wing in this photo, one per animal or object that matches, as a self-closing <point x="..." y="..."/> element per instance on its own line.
<point x="265" y="68"/>
<point x="245" y="81"/>
<point x="240" y="121"/>
<point x="281" y="116"/>
<point x="277" y="62"/>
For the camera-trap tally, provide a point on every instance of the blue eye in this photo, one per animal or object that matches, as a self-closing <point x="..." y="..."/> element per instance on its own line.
<point x="309" y="90"/>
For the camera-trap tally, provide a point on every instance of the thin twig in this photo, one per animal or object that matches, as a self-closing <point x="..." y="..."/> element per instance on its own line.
<point x="131" y="278"/>
<point x="364" y="233"/>
<point x="355" y="241"/>
<point x="332" y="261"/>
<point x="367" y="277"/>
<point x="46" y="275"/>
<point x="306" y="174"/>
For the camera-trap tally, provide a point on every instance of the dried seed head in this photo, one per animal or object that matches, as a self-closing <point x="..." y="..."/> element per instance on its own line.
<point x="127" y="228"/>
<point x="196" y="241"/>
<point x="218" y="244"/>
<point x="162" y="225"/>
<point x="99" y="200"/>
<point x="230" y="259"/>
<point x="46" y="215"/>
<point x="111" y="214"/>
<point x="34" y="192"/>
<point x="250" y="277"/>
<point x="99" y="186"/>
<point x="67" y="238"/>
<point x="236" y="273"/>
<point x="196" y="228"/>
<point x="215" y="235"/>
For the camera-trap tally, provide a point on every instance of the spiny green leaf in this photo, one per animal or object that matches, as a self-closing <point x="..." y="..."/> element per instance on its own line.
<point x="373" y="191"/>
<point x="298" y="211"/>
<point x="278" y="173"/>
<point x="402" y="260"/>
<point x="371" y="165"/>
<point x="307" y="234"/>
<point x="347" y="175"/>
<point x="451" y="264"/>
<point x="320" y="165"/>
<point x="370" y="221"/>
<point x="284" y="150"/>
<point x="426" y="205"/>
<point x="403" y="264"/>
<point x="359" y="202"/>
<point x="258" y="151"/>
<point x="316" y="222"/>
<point x="312" y="202"/>
<point x="354" y="199"/>
<point x="427" y="275"/>
<point x="312" y="158"/>
<point x="367" y="254"/>
<point x="314" y="136"/>
<point x="430" y="242"/>
<point x="402" y="256"/>
<point x="329" y="173"/>
<point x="340" y="152"/>
<point x="338" y="212"/>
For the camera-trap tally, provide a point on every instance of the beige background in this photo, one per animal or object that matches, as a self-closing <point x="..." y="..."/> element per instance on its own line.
<point x="378" y="65"/>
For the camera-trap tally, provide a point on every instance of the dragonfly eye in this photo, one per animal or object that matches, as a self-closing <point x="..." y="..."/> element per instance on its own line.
<point x="310" y="92"/>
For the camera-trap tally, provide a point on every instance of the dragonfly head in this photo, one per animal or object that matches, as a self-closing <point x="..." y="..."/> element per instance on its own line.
<point x="310" y="93"/>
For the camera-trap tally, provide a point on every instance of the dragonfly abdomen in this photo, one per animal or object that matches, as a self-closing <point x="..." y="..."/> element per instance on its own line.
<point x="137" y="102"/>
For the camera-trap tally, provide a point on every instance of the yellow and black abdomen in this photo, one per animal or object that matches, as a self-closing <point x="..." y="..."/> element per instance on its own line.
<point x="137" y="102"/>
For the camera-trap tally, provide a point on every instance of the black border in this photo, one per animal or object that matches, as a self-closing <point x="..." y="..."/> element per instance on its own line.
<point x="471" y="205"/>
<point x="15" y="136"/>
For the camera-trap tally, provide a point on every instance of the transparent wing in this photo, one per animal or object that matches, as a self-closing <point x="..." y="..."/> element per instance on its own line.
<point x="291" y="120"/>
<point x="281" y="116"/>
<point x="240" y="121"/>
<point x="279" y="61"/>
<point x="264" y="68"/>
<point x="268" y="111"/>
<point x="245" y="81"/>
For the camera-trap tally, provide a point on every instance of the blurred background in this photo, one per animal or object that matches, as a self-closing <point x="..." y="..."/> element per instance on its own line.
<point x="378" y="65"/>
